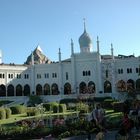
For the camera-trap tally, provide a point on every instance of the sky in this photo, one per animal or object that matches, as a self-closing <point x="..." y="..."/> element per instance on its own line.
<point x="52" y="23"/>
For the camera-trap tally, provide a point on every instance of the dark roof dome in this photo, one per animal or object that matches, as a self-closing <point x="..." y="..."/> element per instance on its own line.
<point x="85" y="40"/>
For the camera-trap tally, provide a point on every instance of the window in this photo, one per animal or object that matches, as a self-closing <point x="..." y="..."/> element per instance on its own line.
<point x="10" y="76"/>
<point x="86" y="73"/>
<point x="54" y="75"/>
<point x="18" y="76"/>
<point x="38" y="76"/>
<point x="67" y="77"/>
<point x="129" y="70"/>
<point x="26" y="76"/>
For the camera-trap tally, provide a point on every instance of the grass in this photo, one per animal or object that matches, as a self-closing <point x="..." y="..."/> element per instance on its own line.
<point x="18" y="117"/>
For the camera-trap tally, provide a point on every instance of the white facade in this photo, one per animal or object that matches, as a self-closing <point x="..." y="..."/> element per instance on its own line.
<point x="85" y="74"/>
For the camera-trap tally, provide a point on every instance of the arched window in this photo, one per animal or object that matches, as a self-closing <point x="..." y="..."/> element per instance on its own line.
<point x="67" y="88"/>
<point x="46" y="89"/>
<point x="26" y="90"/>
<point x="82" y="88"/>
<point x="18" y="90"/>
<point x="138" y="84"/>
<point x="38" y="89"/>
<point x="2" y="90"/>
<point x="10" y="90"/>
<point x="107" y="87"/>
<point x="130" y="85"/>
<point x="91" y="87"/>
<point x="121" y="86"/>
<point x="54" y="89"/>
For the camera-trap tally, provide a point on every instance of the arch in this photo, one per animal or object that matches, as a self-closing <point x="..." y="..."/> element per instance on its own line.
<point x="54" y="89"/>
<point x="10" y="90"/>
<point x="18" y="90"/>
<point x="107" y="87"/>
<point x="130" y="85"/>
<point x="2" y="90"/>
<point x="138" y="84"/>
<point x="67" y="88"/>
<point x="121" y="86"/>
<point x="82" y="88"/>
<point x="91" y="87"/>
<point x="46" y="89"/>
<point x="38" y="89"/>
<point x="26" y="91"/>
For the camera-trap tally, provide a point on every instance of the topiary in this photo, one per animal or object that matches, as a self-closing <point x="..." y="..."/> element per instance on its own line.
<point x="8" y="112"/>
<point x="2" y="113"/>
<point x="18" y="109"/>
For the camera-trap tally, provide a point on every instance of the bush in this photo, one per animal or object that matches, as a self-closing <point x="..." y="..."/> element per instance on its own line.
<point x="8" y="112"/>
<point x="62" y="108"/>
<point x="101" y="99"/>
<point x="2" y="113"/>
<point x="118" y="106"/>
<point x="19" y="109"/>
<point x="33" y="100"/>
<point x="107" y="103"/>
<point x="32" y="111"/>
<point x="55" y="108"/>
<point x="82" y="106"/>
<point x="47" y="106"/>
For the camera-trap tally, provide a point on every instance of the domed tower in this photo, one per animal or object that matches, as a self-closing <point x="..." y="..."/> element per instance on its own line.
<point x="85" y="41"/>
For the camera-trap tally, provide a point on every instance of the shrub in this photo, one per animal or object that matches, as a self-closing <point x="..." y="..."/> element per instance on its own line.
<point x="47" y="106"/>
<point x="32" y="111"/>
<point x="82" y="106"/>
<point x="19" y="109"/>
<point x="118" y="106"/>
<point x="62" y="108"/>
<point x="8" y="112"/>
<point x="2" y="113"/>
<point x="55" y="108"/>
<point x="33" y="100"/>
<point x="101" y="99"/>
<point x="107" y="103"/>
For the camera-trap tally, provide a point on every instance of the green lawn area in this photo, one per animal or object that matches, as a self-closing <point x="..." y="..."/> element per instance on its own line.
<point x="18" y="117"/>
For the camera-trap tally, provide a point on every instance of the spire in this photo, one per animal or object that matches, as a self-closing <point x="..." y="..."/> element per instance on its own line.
<point x="84" y="24"/>
<point x="112" y="51"/>
<point x="59" y="53"/>
<point x="72" y="50"/>
<point x="98" y="47"/>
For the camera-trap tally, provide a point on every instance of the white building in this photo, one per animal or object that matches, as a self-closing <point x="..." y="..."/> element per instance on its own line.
<point x="85" y="74"/>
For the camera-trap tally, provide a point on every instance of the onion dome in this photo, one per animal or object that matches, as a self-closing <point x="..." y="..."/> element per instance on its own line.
<point x="85" y="41"/>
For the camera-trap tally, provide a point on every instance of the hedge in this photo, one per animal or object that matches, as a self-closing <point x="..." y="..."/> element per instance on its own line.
<point x="18" y="109"/>
<point x="8" y="112"/>
<point x="2" y="113"/>
<point x="32" y="111"/>
<point x="62" y="108"/>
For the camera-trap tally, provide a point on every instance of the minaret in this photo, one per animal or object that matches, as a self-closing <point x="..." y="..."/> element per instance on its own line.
<point x="112" y="51"/>
<point x="72" y="49"/>
<point x="0" y="56"/>
<point x="98" y="47"/>
<point x="59" y="54"/>
<point x="60" y="72"/>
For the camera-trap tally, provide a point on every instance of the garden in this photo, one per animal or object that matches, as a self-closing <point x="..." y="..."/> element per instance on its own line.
<point x="64" y="119"/>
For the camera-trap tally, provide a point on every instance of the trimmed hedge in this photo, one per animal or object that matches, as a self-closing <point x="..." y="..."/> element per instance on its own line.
<point x="47" y="106"/>
<point x="32" y="111"/>
<point x="2" y="113"/>
<point x="18" y="109"/>
<point x="8" y="112"/>
<point x="55" y="108"/>
<point x="62" y="108"/>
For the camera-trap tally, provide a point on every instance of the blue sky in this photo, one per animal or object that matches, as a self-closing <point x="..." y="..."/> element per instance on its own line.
<point x="52" y="23"/>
